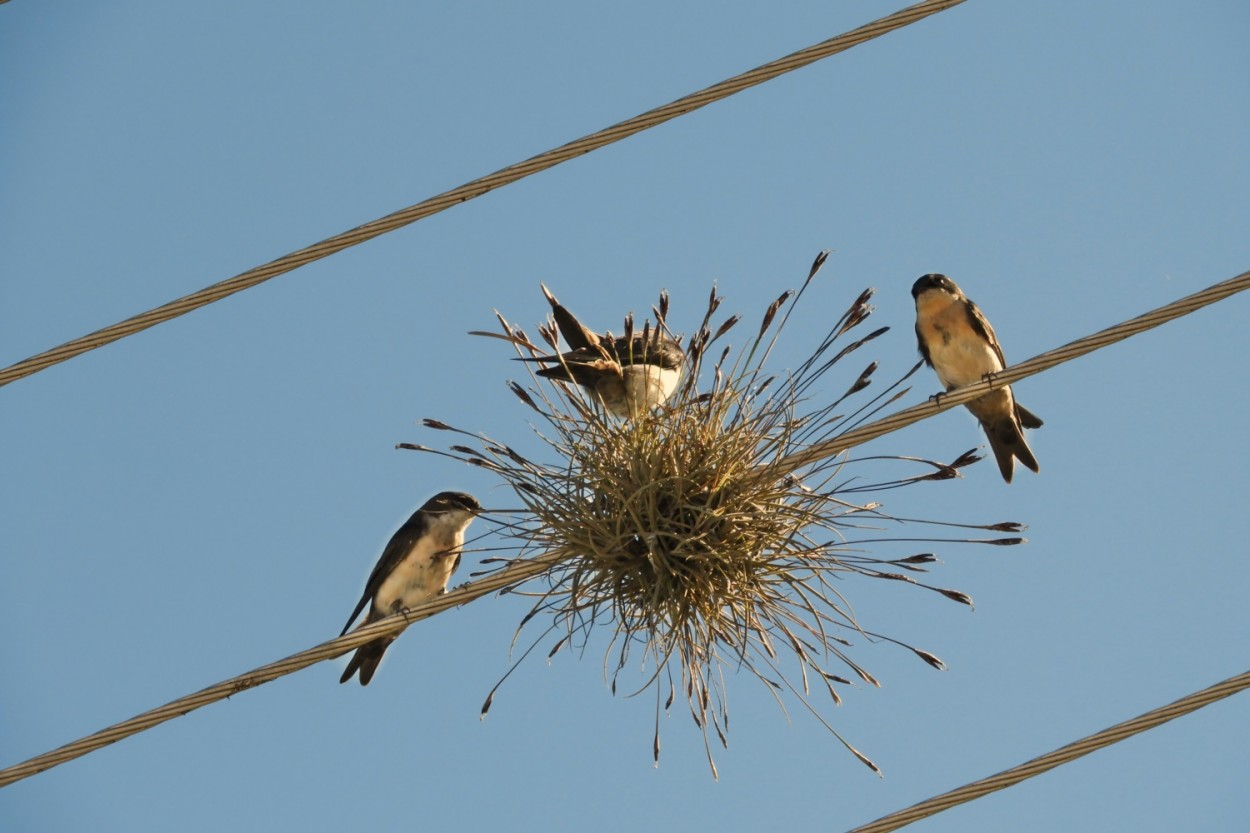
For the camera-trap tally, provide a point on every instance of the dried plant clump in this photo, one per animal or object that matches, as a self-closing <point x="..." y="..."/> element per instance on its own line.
<point x="686" y="532"/>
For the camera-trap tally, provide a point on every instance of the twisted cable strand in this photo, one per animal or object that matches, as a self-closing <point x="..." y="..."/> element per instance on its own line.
<point x="520" y="571"/>
<point x="1044" y="361"/>
<point x="512" y="574"/>
<point x="470" y="190"/>
<point x="1071" y="752"/>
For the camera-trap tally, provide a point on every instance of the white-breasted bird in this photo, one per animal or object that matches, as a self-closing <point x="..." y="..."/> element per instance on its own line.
<point x="630" y="375"/>
<point x="415" y="567"/>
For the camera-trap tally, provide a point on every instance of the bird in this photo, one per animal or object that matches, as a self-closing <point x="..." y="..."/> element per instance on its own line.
<point x="630" y="375"/>
<point x="415" y="567"/>
<point x="957" y="341"/>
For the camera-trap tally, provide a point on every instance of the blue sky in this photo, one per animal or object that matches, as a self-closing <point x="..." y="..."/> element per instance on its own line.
<point x="210" y="495"/>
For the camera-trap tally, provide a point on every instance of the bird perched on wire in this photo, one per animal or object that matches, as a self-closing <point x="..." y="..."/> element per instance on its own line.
<point x="958" y="342"/>
<point x="630" y="375"/>
<point x="415" y="567"/>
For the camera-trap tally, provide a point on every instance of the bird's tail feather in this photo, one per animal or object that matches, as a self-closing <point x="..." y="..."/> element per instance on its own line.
<point x="1008" y="445"/>
<point x="1027" y="418"/>
<point x="366" y="660"/>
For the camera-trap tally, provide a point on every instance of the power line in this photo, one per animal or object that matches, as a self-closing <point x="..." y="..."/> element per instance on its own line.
<point x="1010" y="375"/>
<point x="476" y="188"/>
<point x="520" y="571"/>
<point x="1071" y="752"/>
<point x="511" y="575"/>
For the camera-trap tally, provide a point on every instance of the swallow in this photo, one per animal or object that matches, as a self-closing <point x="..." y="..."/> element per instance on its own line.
<point x="630" y="375"/>
<point x="415" y="567"/>
<point x="958" y="342"/>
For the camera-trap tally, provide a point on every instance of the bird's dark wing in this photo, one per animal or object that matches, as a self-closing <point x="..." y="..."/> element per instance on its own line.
<point x="584" y="355"/>
<point x="922" y="347"/>
<point x="586" y="368"/>
<point x="400" y="545"/>
<point x="658" y="350"/>
<point x="575" y="333"/>
<point x="360" y="605"/>
<point x="665" y="353"/>
<point x="981" y="326"/>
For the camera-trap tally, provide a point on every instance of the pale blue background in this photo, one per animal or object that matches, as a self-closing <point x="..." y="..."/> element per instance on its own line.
<point x="210" y="495"/>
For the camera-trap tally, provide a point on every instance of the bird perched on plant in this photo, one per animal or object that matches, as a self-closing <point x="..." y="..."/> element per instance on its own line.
<point x="630" y="375"/>
<point x="958" y="342"/>
<point x="415" y="567"/>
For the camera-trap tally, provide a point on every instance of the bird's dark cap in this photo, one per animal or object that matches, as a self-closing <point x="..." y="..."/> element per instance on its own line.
<point x="448" y="501"/>
<point x="932" y="281"/>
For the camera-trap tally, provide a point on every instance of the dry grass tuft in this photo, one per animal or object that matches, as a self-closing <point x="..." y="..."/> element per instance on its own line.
<point x="683" y="533"/>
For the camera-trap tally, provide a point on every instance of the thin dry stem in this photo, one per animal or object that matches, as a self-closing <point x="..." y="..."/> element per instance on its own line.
<point x="684" y="532"/>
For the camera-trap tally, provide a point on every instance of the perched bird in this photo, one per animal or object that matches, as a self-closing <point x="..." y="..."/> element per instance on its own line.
<point x="630" y="375"/>
<point x="415" y="567"/>
<point x="959" y="344"/>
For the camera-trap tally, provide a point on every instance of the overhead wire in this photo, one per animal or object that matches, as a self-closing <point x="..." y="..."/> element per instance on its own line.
<point x="1051" y="358"/>
<point x="525" y="569"/>
<point x="513" y="574"/>
<point x="1044" y="763"/>
<point x="476" y="188"/>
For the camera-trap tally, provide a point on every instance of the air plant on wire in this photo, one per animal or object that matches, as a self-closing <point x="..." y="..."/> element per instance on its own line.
<point x="683" y="531"/>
